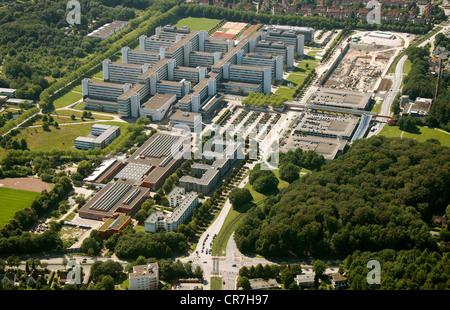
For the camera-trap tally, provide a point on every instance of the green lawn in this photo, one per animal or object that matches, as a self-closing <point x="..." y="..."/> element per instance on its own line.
<point x="216" y="283"/>
<point x="64" y="117"/>
<point x="285" y="92"/>
<point x="306" y="65"/>
<point x="70" y="97"/>
<point x="54" y="139"/>
<point x="294" y="78"/>
<point x="425" y="134"/>
<point x="407" y="66"/>
<point x="198" y="23"/>
<point x="391" y="131"/>
<point x="13" y="200"/>
<point x="95" y="115"/>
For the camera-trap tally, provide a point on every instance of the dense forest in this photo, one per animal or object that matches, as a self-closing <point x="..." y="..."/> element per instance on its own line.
<point x="402" y="270"/>
<point x="37" y="46"/>
<point x="380" y="195"/>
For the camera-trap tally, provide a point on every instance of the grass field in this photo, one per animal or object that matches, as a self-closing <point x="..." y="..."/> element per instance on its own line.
<point x="198" y="23"/>
<point x="298" y="75"/>
<point x="54" y="139"/>
<point x="425" y="134"/>
<point x="69" y="98"/>
<point x="13" y="200"/>
<point x="285" y="92"/>
<point x="216" y="283"/>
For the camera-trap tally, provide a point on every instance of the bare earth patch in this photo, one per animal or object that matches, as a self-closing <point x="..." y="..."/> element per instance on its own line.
<point x="27" y="184"/>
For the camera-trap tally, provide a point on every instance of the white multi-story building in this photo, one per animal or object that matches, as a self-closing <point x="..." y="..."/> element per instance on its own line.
<point x="101" y="136"/>
<point x="184" y="205"/>
<point x="144" y="277"/>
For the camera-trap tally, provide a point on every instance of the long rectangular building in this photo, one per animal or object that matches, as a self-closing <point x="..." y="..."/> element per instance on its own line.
<point x="101" y="136"/>
<point x="120" y="196"/>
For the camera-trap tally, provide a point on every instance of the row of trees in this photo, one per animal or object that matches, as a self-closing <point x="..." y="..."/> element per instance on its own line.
<point x="263" y="101"/>
<point x="380" y="194"/>
<point x="302" y="87"/>
<point x="341" y="36"/>
<point x="317" y="22"/>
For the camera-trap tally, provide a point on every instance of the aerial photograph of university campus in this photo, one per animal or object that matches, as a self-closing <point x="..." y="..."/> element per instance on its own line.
<point x="189" y="146"/>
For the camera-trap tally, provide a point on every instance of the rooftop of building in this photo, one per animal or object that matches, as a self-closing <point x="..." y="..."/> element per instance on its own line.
<point x="184" y="116"/>
<point x="134" y="89"/>
<point x="108" y="29"/>
<point x="106" y="84"/>
<point x="322" y="123"/>
<point x="341" y="97"/>
<point x="114" y="196"/>
<point x="158" y="101"/>
<point x="150" y="270"/>
<point x="114" y="223"/>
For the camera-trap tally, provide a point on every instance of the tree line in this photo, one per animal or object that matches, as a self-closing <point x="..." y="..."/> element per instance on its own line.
<point x="316" y="22"/>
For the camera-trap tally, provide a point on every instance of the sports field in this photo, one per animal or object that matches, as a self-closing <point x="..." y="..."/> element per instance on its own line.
<point x="196" y="23"/>
<point x="12" y="200"/>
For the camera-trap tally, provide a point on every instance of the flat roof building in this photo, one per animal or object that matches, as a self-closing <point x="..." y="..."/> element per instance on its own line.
<point x="108" y="29"/>
<point x="156" y="159"/>
<point x="341" y="98"/>
<point x="190" y="120"/>
<point x="144" y="277"/>
<point x="101" y="136"/>
<point x="104" y="172"/>
<point x="114" y="225"/>
<point x="170" y="221"/>
<point x="120" y="196"/>
<point x="326" y="125"/>
<point x="157" y="106"/>
<point x="204" y="177"/>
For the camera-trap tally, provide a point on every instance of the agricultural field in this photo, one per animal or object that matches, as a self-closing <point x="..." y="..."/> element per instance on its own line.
<point x="13" y="200"/>
<point x="196" y="23"/>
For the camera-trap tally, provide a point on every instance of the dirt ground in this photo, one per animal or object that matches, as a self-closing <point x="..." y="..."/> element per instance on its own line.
<point x="385" y="85"/>
<point x="27" y="184"/>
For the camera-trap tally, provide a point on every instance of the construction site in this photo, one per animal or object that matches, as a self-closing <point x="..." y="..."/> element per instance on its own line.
<point x="361" y="63"/>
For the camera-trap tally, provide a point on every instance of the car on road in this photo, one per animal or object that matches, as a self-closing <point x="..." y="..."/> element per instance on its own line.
<point x="84" y="260"/>
<point x="234" y="265"/>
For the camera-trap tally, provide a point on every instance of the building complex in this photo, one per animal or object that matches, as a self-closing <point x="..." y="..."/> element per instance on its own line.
<point x="144" y="171"/>
<point x="193" y="67"/>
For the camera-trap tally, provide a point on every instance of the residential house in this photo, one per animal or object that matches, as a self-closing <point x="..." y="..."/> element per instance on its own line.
<point x="9" y="278"/>
<point x="439" y="220"/>
<point x="305" y="279"/>
<point x="337" y="280"/>
<point x="263" y="284"/>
